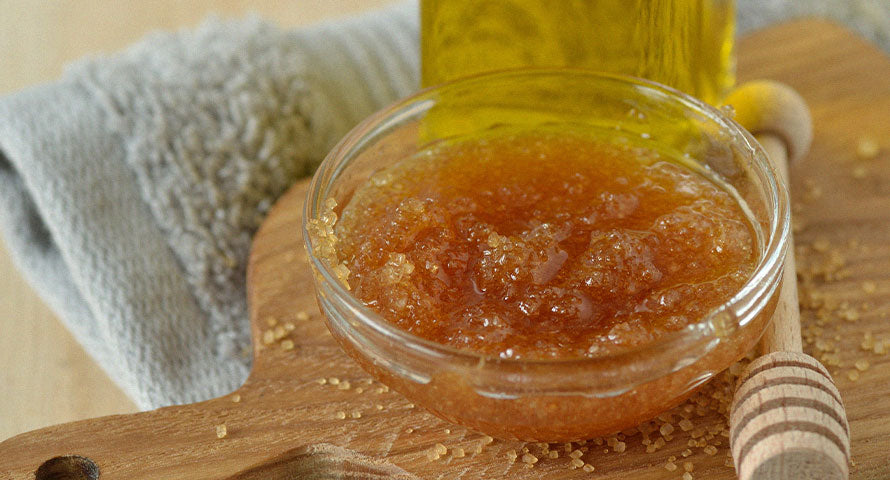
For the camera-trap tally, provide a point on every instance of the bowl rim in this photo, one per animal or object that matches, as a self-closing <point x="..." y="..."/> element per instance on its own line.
<point x="700" y="334"/>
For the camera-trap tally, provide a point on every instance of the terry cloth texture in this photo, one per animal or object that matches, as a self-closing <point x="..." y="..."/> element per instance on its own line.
<point x="130" y="188"/>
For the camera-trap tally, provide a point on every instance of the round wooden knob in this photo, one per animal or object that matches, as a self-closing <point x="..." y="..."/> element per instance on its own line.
<point x="768" y="107"/>
<point x="789" y="421"/>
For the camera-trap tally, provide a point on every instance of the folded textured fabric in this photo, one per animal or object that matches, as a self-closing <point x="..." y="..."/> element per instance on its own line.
<point x="130" y="188"/>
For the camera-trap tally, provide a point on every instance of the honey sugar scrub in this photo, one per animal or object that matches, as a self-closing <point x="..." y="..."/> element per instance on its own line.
<point x="542" y="245"/>
<point x="553" y="276"/>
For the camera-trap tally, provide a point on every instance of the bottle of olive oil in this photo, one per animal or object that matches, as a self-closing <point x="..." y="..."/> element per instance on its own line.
<point x="687" y="44"/>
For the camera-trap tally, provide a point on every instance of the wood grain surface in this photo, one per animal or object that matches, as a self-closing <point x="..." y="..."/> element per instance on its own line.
<point x="46" y="375"/>
<point x="283" y="421"/>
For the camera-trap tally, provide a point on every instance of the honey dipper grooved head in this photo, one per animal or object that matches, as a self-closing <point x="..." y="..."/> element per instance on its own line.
<point x="788" y="421"/>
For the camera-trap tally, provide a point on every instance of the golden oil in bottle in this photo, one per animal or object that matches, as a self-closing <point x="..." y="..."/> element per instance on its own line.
<point x="687" y="44"/>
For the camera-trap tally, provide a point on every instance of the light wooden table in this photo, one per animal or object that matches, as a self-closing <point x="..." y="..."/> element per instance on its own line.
<point x="46" y="376"/>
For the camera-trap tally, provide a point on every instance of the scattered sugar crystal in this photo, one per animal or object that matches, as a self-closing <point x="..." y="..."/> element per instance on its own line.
<point x="867" y="148"/>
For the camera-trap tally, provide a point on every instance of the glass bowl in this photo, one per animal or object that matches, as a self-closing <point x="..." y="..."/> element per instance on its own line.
<point x="553" y="400"/>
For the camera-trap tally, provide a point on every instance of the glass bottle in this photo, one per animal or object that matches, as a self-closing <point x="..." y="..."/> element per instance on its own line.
<point x="686" y="44"/>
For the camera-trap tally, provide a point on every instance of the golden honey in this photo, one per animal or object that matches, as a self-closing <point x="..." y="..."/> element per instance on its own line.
<point x="543" y="244"/>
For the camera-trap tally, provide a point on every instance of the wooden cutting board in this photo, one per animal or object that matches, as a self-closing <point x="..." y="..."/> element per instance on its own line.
<point x="283" y="423"/>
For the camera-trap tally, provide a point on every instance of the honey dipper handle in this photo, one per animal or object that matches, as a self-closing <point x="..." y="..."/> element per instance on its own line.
<point x="783" y="333"/>
<point x="780" y="120"/>
<point x="787" y="419"/>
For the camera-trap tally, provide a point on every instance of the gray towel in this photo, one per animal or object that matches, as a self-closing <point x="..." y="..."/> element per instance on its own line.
<point x="130" y="188"/>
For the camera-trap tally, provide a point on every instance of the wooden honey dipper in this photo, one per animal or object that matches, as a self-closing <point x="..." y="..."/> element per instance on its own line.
<point x="787" y="419"/>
